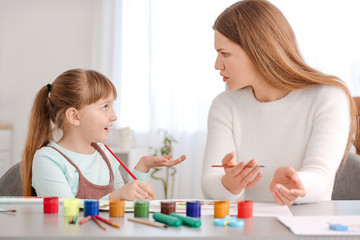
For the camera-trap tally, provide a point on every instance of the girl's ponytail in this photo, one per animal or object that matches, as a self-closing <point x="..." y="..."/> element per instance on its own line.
<point x="39" y="132"/>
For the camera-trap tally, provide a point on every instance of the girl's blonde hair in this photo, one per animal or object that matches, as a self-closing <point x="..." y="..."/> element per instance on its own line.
<point x="265" y="35"/>
<point x="74" y="88"/>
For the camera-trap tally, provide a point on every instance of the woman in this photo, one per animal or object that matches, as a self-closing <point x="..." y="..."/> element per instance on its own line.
<point x="277" y="112"/>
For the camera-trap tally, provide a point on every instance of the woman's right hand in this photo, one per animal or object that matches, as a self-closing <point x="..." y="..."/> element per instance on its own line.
<point x="134" y="190"/>
<point x="241" y="176"/>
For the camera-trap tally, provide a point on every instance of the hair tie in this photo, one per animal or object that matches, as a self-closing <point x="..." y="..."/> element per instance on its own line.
<point x="49" y="87"/>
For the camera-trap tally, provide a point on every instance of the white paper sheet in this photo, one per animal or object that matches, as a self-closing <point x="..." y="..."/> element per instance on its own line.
<point x="319" y="225"/>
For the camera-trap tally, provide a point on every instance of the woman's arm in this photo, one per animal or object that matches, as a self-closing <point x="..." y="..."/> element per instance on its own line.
<point x="326" y="145"/>
<point x="220" y="141"/>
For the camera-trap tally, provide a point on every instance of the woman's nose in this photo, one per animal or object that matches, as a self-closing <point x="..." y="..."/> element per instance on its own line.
<point x="218" y="64"/>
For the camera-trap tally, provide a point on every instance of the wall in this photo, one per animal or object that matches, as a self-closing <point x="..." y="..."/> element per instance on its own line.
<point x="39" y="39"/>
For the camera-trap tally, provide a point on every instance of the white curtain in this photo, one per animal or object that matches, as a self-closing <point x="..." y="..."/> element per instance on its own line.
<point x="162" y="64"/>
<point x="328" y="34"/>
<point x="165" y="77"/>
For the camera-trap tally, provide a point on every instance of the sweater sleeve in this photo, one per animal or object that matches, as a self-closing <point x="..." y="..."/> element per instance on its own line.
<point x="220" y="141"/>
<point x="326" y="145"/>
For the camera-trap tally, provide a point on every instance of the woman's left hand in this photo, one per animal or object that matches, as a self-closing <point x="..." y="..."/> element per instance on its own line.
<point x="148" y="162"/>
<point x="286" y="186"/>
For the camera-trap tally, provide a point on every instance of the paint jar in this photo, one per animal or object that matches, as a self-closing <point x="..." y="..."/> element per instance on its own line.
<point x="116" y="208"/>
<point x="221" y="209"/>
<point x="51" y="204"/>
<point x="193" y="209"/>
<point x="168" y="207"/>
<point x="71" y="207"/>
<point x="245" y="209"/>
<point x="141" y="208"/>
<point x="91" y="208"/>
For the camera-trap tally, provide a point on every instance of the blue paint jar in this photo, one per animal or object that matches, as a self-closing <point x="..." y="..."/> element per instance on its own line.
<point x="91" y="208"/>
<point x="193" y="209"/>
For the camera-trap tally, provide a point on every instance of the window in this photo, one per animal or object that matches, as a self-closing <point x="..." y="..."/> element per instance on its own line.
<point x="163" y="64"/>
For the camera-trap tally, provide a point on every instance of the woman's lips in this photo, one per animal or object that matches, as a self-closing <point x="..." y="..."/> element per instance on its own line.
<point x="225" y="79"/>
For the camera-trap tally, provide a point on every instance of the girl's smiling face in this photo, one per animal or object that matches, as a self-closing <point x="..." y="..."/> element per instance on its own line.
<point x="95" y="119"/>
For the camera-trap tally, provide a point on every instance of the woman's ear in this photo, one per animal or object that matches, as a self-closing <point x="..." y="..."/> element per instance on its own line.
<point x="72" y="116"/>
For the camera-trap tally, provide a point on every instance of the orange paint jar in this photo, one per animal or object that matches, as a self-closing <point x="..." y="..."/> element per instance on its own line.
<point x="116" y="208"/>
<point x="221" y="209"/>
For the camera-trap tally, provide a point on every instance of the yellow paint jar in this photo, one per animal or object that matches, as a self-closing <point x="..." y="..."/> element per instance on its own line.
<point x="71" y="207"/>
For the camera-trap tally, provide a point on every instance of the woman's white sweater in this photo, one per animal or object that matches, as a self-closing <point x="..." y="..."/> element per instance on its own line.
<point x="307" y="130"/>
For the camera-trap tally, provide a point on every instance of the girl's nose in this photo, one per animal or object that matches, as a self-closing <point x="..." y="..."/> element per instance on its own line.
<point x="113" y="116"/>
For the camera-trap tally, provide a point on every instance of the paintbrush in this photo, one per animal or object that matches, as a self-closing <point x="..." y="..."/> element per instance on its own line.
<point x="149" y="223"/>
<point x="230" y="166"/>
<point x="98" y="223"/>
<point x="7" y="210"/>
<point x="124" y="166"/>
<point x="107" y="221"/>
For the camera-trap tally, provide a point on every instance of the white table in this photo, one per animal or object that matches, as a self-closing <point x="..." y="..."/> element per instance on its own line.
<point x="29" y="222"/>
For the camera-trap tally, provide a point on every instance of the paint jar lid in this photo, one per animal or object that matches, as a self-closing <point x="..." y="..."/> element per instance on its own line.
<point x="229" y="221"/>
<point x="141" y="208"/>
<point x="71" y="207"/>
<point x="91" y="208"/>
<point x="51" y="204"/>
<point x="117" y="203"/>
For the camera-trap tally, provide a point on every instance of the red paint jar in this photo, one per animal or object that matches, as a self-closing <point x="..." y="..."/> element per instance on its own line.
<point x="51" y="204"/>
<point x="245" y="209"/>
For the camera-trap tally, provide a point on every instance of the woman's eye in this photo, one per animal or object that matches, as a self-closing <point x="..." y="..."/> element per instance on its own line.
<point x="225" y="54"/>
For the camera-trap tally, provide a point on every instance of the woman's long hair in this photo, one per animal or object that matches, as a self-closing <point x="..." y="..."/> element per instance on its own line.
<point x="74" y="88"/>
<point x="265" y="35"/>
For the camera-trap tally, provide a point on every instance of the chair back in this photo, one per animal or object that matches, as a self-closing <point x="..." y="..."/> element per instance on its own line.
<point x="357" y="137"/>
<point x="347" y="179"/>
<point x="10" y="182"/>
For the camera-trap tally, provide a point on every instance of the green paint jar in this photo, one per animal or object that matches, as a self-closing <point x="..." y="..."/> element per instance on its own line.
<point x="141" y="208"/>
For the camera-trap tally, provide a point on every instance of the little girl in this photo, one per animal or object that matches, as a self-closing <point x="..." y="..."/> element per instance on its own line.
<point x="80" y="104"/>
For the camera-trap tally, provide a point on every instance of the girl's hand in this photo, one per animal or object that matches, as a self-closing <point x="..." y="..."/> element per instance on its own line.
<point x="148" y="162"/>
<point x="135" y="190"/>
<point x="241" y="176"/>
<point x="286" y="186"/>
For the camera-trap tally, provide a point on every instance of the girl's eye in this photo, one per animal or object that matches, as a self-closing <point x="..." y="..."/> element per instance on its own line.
<point x="105" y="108"/>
